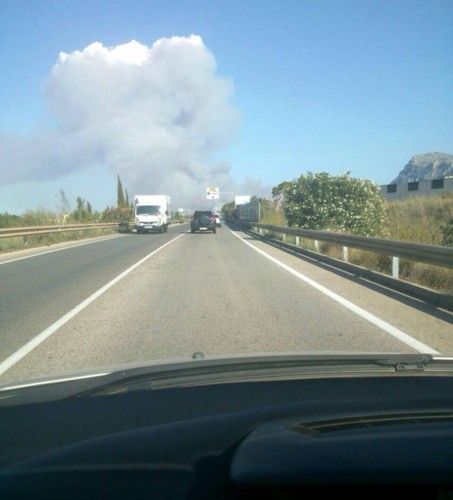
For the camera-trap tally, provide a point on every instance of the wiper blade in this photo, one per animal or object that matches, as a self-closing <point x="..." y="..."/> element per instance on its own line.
<point x="202" y="371"/>
<point x="217" y="370"/>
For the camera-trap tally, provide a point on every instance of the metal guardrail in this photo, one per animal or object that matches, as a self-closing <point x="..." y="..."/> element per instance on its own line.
<point x="12" y="232"/>
<point x="429" y="254"/>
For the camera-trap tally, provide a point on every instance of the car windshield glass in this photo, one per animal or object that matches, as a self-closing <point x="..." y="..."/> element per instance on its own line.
<point x="148" y="210"/>
<point x="193" y="180"/>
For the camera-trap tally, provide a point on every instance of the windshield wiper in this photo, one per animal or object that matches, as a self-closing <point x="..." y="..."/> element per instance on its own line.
<point x="205" y="371"/>
<point x="216" y="370"/>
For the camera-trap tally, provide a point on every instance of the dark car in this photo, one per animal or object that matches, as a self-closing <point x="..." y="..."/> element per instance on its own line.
<point x="203" y="220"/>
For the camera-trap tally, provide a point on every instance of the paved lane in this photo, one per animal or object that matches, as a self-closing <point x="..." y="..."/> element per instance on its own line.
<point x="36" y="291"/>
<point x="209" y="293"/>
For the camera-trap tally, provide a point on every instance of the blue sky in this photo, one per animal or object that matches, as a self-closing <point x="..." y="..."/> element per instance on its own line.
<point x="320" y="85"/>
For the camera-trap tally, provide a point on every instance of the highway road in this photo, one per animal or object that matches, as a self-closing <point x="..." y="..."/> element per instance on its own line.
<point x="141" y="298"/>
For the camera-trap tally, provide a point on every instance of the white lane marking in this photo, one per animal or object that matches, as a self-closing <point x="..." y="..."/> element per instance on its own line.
<point x="34" y="342"/>
<point x="383" y="325"/>
<point x="53" y="381"/>
<point x="99" y="240"/>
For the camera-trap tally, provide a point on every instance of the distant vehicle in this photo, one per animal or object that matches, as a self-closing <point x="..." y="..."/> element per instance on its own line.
<point x="152" y="212"/>
<point x="218" y="222"/>
<point x="203" y="220"/>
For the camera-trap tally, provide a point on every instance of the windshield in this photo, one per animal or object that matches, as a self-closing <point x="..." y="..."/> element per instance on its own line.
<point x="196" y="180"/>
<point x="148" y="210"/>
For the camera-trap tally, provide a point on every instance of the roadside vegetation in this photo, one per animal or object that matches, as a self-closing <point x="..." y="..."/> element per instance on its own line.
<point x="344" y="204"/>
<point x="81" y="213"/>
<point x="421" y="220"/>
<point x="39" y="240"/>
<point x="426" y="219"/>
<point x="333" y="203"/>
<point x="177" y="218"/>
<point x="271" y="213"/>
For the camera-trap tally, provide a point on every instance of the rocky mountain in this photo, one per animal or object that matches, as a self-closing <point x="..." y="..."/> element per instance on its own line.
<point x="426" y="166"/>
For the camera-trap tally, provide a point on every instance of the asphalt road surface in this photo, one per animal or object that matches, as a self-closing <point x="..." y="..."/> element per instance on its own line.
<point x="142" y="298"/>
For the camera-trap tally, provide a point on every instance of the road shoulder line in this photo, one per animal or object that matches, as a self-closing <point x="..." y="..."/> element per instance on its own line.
<point x="371" y="318"/>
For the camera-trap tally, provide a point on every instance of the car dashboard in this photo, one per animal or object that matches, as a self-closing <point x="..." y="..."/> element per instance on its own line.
<point x="359" y="436"/>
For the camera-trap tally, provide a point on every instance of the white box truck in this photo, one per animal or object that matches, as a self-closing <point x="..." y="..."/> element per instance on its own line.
<point x="152" y="212"/>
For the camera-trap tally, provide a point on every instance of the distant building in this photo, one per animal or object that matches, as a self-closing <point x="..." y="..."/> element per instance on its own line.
<point x="429" y="187"/>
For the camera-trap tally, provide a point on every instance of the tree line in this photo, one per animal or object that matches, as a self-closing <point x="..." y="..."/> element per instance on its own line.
<point x="83" y="212"/>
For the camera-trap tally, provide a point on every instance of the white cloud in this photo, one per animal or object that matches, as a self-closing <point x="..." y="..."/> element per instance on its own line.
<point x="155" y="115"/>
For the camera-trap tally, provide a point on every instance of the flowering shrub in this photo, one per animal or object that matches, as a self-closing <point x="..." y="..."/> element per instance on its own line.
<point x="333" y="202"/>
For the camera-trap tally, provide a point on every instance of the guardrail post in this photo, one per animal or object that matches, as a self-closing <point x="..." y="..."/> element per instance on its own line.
<point x="317" y="246"/>
<point x="396" y="267"/>
<point x="297" y="241"/>
<point x="345" y="254"/>
<point x="284" y="237"/>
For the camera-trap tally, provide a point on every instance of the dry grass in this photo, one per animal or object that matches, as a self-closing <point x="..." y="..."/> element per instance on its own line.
<point x="429" y="276"/>
<point x="434" y="277"/>
<point x="420" y="220"/>
<point x="272" y="215"/>
<point x="417" y="219"/>
<point x="21" y="243"/>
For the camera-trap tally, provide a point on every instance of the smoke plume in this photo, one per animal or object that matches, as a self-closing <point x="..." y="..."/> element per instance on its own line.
<point x="157" y="116"/>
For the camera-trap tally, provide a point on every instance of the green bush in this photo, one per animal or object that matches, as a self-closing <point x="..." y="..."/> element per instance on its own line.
<point x="333" y="202"/>
<point x="83" y="213"/>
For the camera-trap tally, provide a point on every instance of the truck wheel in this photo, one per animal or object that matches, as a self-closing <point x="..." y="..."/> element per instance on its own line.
<point x="214" y="230"/>
<point x="161" y="229"/>
<point x="192" y="231"/>
<point x="165" y="229"/>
